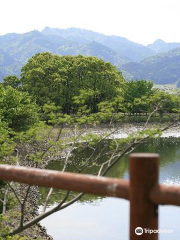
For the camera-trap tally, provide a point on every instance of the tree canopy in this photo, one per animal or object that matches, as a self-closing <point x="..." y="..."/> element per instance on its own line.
<point x="137" y="95"/>
<point x="12" y="81"/>
<point x="51" y="78"/>
<point x="17" y="109"/>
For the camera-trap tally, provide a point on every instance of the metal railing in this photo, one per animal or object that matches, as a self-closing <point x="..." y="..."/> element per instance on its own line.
<point x="142" y="190"/>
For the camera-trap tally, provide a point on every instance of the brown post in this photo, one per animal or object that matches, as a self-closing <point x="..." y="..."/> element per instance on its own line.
<point x="143" y="212"/>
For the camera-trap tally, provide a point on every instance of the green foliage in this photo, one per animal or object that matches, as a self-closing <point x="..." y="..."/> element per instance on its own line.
<point x="11" y="81"/>
<point x="72" y="91"/>
<point x="64" y="80"/>
<point x="168" y="103"/>
<point x="42" y="142"/>
<point x="4" y="229"/>
<point x="136" y="96"/>
<point x="11" y="199"/>
<point x="6" y="143"/>
<point x="16" y="237"/>
<point x="53" y="115"/>
<point x="17" y="109"/>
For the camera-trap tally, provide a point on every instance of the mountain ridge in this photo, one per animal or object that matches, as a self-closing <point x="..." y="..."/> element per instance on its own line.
<point x="136" y="61"/>
<point x="122" y="45"/>
<point x="163" y="68"/>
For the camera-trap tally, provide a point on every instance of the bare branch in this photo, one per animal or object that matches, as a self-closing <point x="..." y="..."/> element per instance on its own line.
<point x="47" y="200"/>
<point x="23" y="207"/>
<point x="15" y="193"/>
<point x="5" y="200"/>
<point x="150" y="115"/>
<point x="37" y="219"/>
<point x="114" y="156"/>
<point x="79" y="196"/>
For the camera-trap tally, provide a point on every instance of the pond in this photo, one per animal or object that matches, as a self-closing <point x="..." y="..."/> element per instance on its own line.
<point x="104" y="218"/>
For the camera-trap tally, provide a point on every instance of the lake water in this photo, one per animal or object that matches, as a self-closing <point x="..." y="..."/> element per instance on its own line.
<point x="104" y="218"/>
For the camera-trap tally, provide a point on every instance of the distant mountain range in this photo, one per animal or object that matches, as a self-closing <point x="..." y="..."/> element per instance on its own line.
<point x="160" y="46"/>
<point x="159" y="61"/>
<point x="163" y="68"/>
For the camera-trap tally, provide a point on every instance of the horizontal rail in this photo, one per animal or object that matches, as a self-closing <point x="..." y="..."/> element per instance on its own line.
<point x="69" y="181"/>
<point x="112" y="187"/>
<point x="165" y="195"/>
<point x="143" y="190"/>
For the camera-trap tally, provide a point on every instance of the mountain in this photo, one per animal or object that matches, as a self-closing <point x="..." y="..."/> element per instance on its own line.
<point x="134" y="60"/>
<point x="163" y="68"/>
<point x="159" y="46"/>
<point x="8" y="37"/>
<point x="16" y="49"/>
<point x="93" y="49"/>
<point x="7" y="64"/>
<point x="133" y="51"/>
<point x="25" y="45"/>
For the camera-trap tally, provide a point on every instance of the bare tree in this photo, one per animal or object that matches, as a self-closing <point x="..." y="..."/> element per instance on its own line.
<point x="61" y="144"/>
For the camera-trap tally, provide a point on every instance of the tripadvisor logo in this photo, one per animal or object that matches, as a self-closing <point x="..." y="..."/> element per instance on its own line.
<point x="139" y="231"/>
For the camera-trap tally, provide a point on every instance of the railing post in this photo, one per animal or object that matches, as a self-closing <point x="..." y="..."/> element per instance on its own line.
<point x="143" y="213"/>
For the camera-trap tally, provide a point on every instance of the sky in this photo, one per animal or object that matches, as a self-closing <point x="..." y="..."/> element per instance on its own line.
<point x="141" y="21"/>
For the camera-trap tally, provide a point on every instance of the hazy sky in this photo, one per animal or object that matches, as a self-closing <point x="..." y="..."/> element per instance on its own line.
<point x="142" y="21"/>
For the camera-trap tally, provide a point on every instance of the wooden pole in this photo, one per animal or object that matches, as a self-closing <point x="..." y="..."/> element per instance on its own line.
<point x="143" y="212"/>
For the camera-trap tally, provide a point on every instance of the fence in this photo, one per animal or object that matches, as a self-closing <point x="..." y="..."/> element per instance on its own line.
<point x="143" y="190"/>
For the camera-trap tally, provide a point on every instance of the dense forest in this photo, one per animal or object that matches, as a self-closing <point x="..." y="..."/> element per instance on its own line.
<point x="75" y="85"/>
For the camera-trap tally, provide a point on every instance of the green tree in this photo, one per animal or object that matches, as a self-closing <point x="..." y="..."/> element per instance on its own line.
<point x="12" y="81"/>
<point x="51" y="78"/>
<point x="17" y="109"/>
<point x="6" y="143"/>
<point x="168" y="103"/>
<point x="136" y="96"/>
<point x="43" y="144"/>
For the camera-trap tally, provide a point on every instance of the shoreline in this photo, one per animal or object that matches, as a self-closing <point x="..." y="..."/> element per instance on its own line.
<point x="123" y="130"/>
<point x="37" y="231"/>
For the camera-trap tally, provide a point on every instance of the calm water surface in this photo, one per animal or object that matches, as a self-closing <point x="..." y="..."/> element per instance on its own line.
<point x="100" y="218"/>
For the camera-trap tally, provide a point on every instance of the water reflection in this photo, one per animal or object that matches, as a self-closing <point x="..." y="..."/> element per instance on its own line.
<point x="101" y="218"/>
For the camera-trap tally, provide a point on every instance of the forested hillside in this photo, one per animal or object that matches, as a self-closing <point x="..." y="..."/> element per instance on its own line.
<point x="16" y="49"/>
<point x="163" y="68"/>
<point x="128" y="49"/>
<point x="135" y="61"/>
